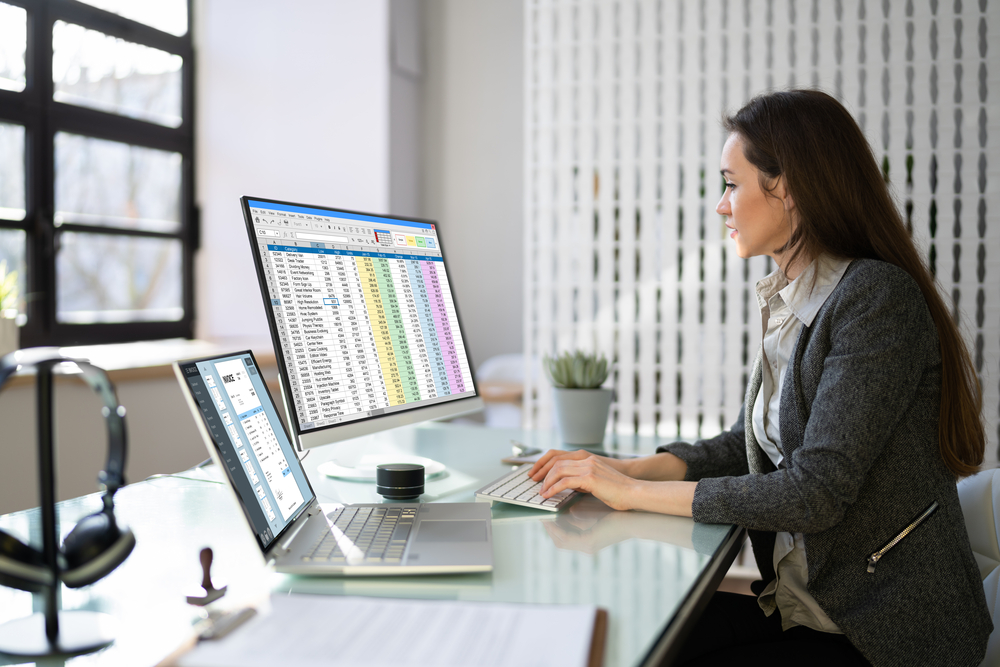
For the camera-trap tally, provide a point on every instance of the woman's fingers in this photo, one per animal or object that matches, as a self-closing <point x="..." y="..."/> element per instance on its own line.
<point x="542" y="467"/>
<point x="591" y="475"/>
<point x="568" y="469"/>
<point x="543" y="463"/>
<point x="577" y="482"/>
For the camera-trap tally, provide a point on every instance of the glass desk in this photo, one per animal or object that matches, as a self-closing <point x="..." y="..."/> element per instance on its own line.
<point x="650" y="572"/>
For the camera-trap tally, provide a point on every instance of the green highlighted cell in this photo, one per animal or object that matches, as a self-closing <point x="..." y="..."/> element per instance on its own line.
<point x="394" y="319"/>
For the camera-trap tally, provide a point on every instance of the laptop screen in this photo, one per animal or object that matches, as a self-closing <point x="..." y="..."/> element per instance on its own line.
<point x="361" y="312"/>
<point x="250" y="441"/>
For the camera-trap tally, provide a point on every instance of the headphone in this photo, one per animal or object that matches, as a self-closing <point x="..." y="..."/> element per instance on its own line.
<point x="97" y="544"/>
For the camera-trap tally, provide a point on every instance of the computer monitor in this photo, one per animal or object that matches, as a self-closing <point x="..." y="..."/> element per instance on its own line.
<point x="362" y="317"/>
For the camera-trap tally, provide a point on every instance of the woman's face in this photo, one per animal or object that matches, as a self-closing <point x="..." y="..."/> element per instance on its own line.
<point x="760" y="222"/>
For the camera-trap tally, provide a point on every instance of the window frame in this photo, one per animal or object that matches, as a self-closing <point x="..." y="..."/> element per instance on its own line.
<point x="42" y="118"/>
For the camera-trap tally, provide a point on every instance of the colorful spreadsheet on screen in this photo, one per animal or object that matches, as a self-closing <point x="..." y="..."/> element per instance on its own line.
<point x="363" y="310"/>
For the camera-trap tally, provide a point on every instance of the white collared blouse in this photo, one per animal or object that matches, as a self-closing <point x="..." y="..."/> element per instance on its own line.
<point x="785" y="307"/>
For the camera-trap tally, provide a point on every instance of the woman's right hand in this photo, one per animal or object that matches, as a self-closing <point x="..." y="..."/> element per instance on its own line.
<point x="656" y="467"/>
<point x="647" y="483"/>
<point x="549" y="459"/>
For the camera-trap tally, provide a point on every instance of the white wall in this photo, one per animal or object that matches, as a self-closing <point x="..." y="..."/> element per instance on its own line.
<point x="406" y="83"/>
<point x="472" y="161"/>
<point x="292" y="104"/>
<point x="162" y="437"/>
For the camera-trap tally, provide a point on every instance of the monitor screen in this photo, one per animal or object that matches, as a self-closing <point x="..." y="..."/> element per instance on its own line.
<point x="250" y="441"/>
<point x="362" y="316"/>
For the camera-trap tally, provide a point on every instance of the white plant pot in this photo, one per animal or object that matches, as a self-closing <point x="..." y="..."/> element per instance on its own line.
<point x="10" y="336"/>
<point x="583" y="414"/>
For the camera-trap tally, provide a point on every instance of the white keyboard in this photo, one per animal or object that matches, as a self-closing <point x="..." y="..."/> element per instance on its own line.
<point x="519" y="489"/>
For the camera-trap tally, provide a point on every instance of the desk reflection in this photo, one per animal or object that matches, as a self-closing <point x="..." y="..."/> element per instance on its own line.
<point x="588" y="525"/>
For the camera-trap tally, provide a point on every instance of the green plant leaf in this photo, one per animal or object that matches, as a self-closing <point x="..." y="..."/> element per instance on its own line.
<point x="577" y="370"/>
<point x="8" y="287"/>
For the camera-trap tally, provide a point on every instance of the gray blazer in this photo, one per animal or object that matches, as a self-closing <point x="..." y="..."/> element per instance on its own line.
<point x="858" y="419"/>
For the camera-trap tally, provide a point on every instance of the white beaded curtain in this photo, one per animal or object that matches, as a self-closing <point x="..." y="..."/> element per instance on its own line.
<point x="624" y="252"/>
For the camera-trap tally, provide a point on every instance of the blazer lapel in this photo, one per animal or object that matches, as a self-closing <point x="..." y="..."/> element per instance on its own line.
<point x="757" y="460"/>
<point x="758" y="463"/>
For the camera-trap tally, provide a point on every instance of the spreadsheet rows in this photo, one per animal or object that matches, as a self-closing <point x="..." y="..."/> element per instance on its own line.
<point x="364" y="333"/>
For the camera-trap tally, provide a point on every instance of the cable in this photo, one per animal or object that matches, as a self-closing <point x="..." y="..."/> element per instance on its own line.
<point x="193" y="479"/>
<point x="203" y="464"/>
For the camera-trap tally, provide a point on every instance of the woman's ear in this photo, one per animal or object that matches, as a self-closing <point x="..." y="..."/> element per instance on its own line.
<point x="781" y="191"/>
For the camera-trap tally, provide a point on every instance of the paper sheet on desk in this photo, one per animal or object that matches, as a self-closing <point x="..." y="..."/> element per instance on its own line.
<point x="314" y="630"/>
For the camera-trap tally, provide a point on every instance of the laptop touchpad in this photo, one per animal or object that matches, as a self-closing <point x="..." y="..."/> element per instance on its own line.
<point x="451" y="531"/>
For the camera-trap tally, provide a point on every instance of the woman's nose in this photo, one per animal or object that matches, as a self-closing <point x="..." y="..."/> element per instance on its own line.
<point x="722" y="208"/>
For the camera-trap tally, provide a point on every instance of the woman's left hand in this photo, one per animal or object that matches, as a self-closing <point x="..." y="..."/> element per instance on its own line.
<point x="592" y="475"/>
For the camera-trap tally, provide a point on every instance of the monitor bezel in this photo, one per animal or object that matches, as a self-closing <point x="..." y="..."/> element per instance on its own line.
<point x="373" y="424"/>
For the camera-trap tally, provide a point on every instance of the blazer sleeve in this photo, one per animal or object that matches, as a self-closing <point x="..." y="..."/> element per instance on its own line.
<point x="725" y="454"/>
<point x="869" y="363"/>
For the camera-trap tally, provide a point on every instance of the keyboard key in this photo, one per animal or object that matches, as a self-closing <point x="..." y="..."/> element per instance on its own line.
<point x="372" y="535"/>
<point x="518" y="488"/>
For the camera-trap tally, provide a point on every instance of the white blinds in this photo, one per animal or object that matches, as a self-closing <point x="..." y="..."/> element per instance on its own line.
<point x="624" y="252"/>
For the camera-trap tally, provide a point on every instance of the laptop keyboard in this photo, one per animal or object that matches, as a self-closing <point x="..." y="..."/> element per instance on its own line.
<point x="519" y="489"/>
<point x="364" y="534"/>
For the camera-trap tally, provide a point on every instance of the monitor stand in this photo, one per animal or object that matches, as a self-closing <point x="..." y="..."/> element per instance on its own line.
<point x="355" y="460"/>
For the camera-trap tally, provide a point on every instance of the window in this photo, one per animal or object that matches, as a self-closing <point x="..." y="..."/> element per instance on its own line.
<point x="97" y="213"/>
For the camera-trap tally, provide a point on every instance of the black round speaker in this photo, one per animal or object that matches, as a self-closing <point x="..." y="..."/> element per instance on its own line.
<point x="399" y="481"/>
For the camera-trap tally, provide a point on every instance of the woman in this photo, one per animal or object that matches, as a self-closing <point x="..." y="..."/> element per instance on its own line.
<point x="862" y="411"/>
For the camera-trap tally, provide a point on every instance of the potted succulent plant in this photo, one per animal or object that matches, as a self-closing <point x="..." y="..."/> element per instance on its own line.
<point x="581" y="404"/>
<point x="9" y="335"/>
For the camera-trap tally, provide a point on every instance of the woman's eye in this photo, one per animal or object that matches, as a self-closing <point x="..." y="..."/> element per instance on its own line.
<point x="730" y="186"/>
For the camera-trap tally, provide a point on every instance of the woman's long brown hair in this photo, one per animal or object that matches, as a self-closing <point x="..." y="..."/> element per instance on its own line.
<point x="845" y="209"/>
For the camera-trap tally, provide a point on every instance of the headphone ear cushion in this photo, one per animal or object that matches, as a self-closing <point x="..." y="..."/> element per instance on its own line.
<point x="94" y="548"/>
<point x="21" y="566"/>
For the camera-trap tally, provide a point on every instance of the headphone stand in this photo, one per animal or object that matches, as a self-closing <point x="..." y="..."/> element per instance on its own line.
<point x="55" y="632"/>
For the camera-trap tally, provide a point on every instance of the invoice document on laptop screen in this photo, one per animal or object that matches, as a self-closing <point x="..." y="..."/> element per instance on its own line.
<point x="259" y="457"/>
<point x="261" y="438"/>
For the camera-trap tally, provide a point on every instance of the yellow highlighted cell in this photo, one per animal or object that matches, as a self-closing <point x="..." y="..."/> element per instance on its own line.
<point x="386" y="355"/>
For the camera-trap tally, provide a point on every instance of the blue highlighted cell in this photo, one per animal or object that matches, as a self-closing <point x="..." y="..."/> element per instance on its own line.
<point x="330" y="301"/>
<point x="250" y="413"/>
<point x="286" y="472"/>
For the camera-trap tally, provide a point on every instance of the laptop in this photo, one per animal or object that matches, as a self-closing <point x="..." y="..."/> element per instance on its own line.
<point x="240" y="426"/>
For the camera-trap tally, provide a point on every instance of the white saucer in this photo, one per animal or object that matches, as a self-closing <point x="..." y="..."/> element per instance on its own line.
<point x="364" y="469"/>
